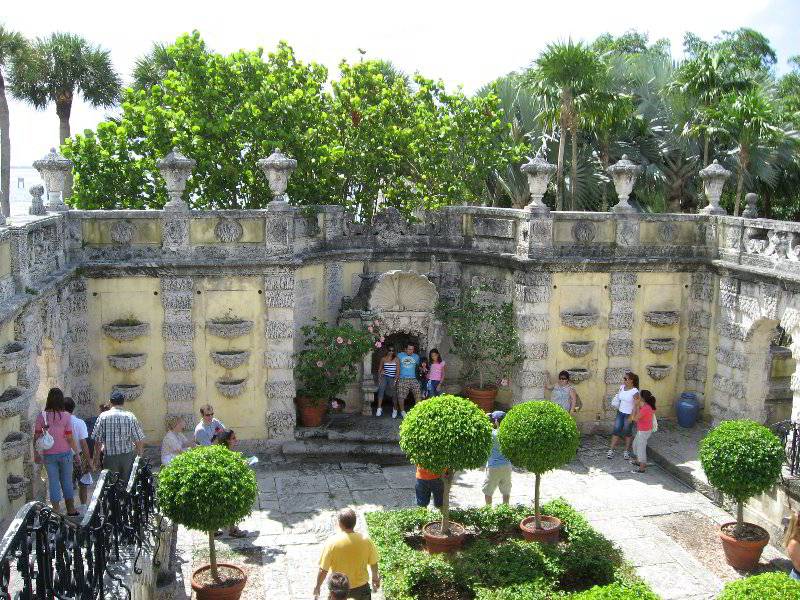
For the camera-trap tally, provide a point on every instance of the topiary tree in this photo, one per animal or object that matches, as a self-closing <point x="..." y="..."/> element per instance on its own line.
<point x="538" y="436"/>
<point x="445" y="434"/>
<point x="767" y="586"/>
<point x="207" y="488"/>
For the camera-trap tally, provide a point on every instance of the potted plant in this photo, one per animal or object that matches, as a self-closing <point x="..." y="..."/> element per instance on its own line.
<point x="328" y="363"/>
<point x="208" y="488"/>
<point x="539" y="436"/>
<point x="742" y="459"/>
<point x="445" y="434"/>
<point x="484" y="336"/>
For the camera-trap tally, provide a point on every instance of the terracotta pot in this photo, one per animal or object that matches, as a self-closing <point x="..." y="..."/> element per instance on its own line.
<point x="743" y="554"/>
<point x="231" y="592"/>
<point x="483" y="398"/>
<point x="545" y="536"/>
<point x="311" y="413"/>
<point x="436" y="544"/>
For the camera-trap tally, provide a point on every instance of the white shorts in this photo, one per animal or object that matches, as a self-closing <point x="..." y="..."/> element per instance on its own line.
<point x="497" y="477"/>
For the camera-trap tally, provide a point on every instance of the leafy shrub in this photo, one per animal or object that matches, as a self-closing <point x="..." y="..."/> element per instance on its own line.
<point x="207" y="488"/>
<point x="767" y="586"/>
<point x="446" y="434"/>
<point x="617" y="591"/>
<point x="539" y="589"/>
<point x="741" y="459"/>
<point x="510" y="563"/>
<point x="538" y="436"/>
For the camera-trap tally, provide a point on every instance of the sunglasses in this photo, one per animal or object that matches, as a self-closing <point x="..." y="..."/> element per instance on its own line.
<point x="563" y="379"/>
<point x="208" y="414"/>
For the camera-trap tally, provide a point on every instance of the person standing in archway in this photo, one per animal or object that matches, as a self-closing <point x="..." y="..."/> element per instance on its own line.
<point x="387" y="371"/>
<point x="409" y="361"/>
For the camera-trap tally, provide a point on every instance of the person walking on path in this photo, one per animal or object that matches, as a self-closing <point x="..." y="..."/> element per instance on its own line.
<point x="350" y="553"/>
<point x="409" y="361"/>
<point x="82" y="460"/>
<point x="563" y="393"/>
<point x="57" y="458"/>
<point x="498" y="468"/>
<point x="121" y="435"/>
<point x="436" y="372"/>
<point x="792" y="542"/>
<point x="429" y="484"/>
<point x="388" y="369"/>
<point x="624" y="402"/>
<point x="643" y="415"/>
<point x="175" y="441"/>
<point x="90" y="423"/>
<point x="208" y="426"/>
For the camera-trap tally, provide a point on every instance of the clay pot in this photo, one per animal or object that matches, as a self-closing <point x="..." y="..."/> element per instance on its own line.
<point x="437" y="544"/>
<point x="743" y="554"/>
<point x="231" y="592"/>
<point x="483" y="398"/>
<point x="545" y="536"/>
<point x="311" y="413"/>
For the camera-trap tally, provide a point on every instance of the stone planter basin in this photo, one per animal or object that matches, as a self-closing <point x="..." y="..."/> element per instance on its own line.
<point x="130" y="391"/>
<point x="229" y="329"/>
<point x="16" y="486"/>
<point x="579" y="320"/>
<point x="127" y="362"/>
<point x="577" y="375"/>
<point x="125" y="331"/>
<point x="659" y="345"/>
<point x="13" y="357"/>
<point x="13" y="401"/>
<point x="230" y="388"/>
<point x="662" y="318"/>
<point x="658" y="372"/>
<point x="15" y="445"/>
<point x="230" y="359"/>
<point x="577" y="349"/>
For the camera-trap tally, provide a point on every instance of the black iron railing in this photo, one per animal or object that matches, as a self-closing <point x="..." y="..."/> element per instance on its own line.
<point x="47" y="555"/>
<point x="789" y="434"/>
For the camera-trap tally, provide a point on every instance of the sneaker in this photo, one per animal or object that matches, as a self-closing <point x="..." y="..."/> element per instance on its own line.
<point x="626" y="455"/>
<point x="638" y="471"/>
<point x="402" y="414"/>
<point x="610" y="454"/>
<point x="394" y="414"/>
<point x="379" y="412"/>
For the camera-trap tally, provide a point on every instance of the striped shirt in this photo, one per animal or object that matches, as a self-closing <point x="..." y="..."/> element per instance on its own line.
<point x="390" y="369"/>
<point x="117" y="430"/>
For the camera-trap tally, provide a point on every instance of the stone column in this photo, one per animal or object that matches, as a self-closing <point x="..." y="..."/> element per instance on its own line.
<point x="619" y="349"/>
<point x="279" y="297"/>
<point x="177" y="299"/>
<point x="700" y="305"/>
<point x="37" y="204"/>
<point x="791" y="323"/>
<point x="532" y="303"/>
<point x="175" y="169"/>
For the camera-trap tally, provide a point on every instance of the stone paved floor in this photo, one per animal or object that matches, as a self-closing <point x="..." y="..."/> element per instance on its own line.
<point x="297" y="504"/>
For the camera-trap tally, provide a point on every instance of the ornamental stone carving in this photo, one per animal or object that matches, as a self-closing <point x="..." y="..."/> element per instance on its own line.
<point x="578" y="374"/>
<point x="13" y="357"/>
<point x="230" y="359"/>
<point x="14" y="401"/>
<point x="403" y="291"/>
<point x="277" y="168"/>
<point x="667" y="232"/>
<point x="579" y="320"/>
<point x="129" y="391"/>
<point x="15" y="445"/>
<point x="584" y="232"/>
<point x="175" y="169"/>
<point x="127" y="362"/>
<point x="390" y="228"/>
<point x="230" y="388"/>
<point x="577" y="349"/>
<point x="54" y="168"/>
<point x="126" y="330"/>
<point x="229" y="329"/>
<point x="659" y="345"/>
<point x="714" y="176"/>
<point x="279" y="423"/>
<point x="624" y="174"/>
<point x="16" y="486"/>
<point x="658" y="372"/>
<point x="539" y="172"/>
<point x="122" y="232"/>
<point x="662" y="318"/>
<point x="228" y="231"/>
<point x="176" y="234"/>
<point x="37" y="204"/>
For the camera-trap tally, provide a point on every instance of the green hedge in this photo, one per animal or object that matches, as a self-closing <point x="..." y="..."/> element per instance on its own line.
<point x="768" y="586"/>
<point x="587" y="564"/>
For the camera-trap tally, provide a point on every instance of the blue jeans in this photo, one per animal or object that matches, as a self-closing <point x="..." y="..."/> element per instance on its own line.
<point x="622" y="426"/>
<point x="386" y="382"/>
<point x="433" y="388"/>
<point x="426" y="488"/>
<point x="794" y="574"/>
<point x="59" y="476"/>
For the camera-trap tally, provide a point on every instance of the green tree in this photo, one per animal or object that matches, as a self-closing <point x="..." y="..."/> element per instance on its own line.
<point x="151" y="69"/>
<point x="12" y="48"/>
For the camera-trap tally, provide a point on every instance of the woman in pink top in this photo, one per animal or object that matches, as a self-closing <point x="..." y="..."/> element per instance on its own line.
<point x="643" y="414"/>
<point x="58" y="459"/>
<point x="435" y="372"/>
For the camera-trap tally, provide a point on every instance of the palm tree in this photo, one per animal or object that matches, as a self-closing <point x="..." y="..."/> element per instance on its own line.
<point x="563" y="73"/>
<point x="12" y="46"/>
<point x="150" y="69"/>
<point x="61" y="66"/>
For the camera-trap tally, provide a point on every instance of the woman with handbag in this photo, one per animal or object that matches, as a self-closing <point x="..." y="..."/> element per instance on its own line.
<point x="53" y="441"/>
<point x="624" y="402"/>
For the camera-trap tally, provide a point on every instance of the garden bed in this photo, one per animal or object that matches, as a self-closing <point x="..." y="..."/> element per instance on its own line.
<point x="496" y="563"/>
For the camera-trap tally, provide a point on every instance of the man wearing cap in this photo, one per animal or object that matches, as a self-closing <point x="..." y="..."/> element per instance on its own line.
<point x="498" y="468"/>
<point x="121" y="435"/>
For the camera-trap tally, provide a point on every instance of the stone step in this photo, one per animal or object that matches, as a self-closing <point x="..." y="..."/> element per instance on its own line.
<point x="345" y="451"/>
<point x="352" y="435"/>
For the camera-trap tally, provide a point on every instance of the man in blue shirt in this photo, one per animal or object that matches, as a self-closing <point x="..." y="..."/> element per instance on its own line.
<point x="408" y="382"/>
<point x="498" y="468"/>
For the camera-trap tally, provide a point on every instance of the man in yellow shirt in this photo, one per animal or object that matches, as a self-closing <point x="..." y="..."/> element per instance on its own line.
<point x="350" y="553"/>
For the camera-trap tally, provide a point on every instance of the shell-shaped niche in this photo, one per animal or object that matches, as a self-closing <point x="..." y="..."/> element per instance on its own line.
<point x="658" y="372"/>
<point x="126" y="361"/>
<point x="662" y="318"/>
<point x="230" y="359"/>
<point x="230" y="388"/>
<point x="229" y="328"/>
<point x="403" y="291"/>
<point x="659" y="345"/>
<point x="13" y="357"/>
<point x="130" y="391"/>
<point x="13" y="401"/>
<point x="126" y="330"/>
<point x="578" y="374"/>
<point x="577" y="349"/>
<point x="578" y="319"/>
<point x="15" y="445"/>
<point x="15" y="486"/>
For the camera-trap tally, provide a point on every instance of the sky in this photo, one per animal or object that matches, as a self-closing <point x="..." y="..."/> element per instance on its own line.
<point x="465" y="43"/>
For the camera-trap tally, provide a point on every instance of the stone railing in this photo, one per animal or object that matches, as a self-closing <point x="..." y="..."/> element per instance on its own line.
<point x="760" y="244"/>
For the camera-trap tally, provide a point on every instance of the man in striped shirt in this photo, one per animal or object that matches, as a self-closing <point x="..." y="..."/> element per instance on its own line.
<point x="121" y="435"/>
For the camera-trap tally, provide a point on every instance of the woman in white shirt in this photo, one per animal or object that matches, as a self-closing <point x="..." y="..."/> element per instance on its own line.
<point x="624" y="402"/>
<point x="174" y="441"/>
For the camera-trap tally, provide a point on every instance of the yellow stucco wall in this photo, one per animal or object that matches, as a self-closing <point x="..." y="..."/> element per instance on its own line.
<point x="201" y="231"/>
<point x="5" y="258"/>
<point x="98" y="231"/>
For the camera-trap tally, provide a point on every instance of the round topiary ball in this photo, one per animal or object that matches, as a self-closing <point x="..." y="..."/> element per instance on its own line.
<point x="538" y="436"/>
<point x="741" y="458"/>
<point x="446" y="432"/>
<point x="768" y="586"/>
<point x="207" y="488"/>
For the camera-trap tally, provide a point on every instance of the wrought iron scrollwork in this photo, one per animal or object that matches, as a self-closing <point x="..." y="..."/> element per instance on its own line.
<point x="789" y="434"/>
<point x="56" y="557"/>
